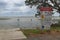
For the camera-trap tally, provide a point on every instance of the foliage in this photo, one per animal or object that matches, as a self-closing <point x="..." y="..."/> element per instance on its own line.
<point x="55" y="27"/>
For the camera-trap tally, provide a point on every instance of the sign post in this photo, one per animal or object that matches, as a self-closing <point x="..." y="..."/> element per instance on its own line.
<point x="46" y="17"/>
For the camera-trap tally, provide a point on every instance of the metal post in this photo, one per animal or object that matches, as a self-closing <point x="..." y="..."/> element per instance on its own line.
<point x="42" y="26"/>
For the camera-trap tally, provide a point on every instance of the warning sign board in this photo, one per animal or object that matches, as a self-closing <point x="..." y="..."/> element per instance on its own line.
<point x="45" y="8"/>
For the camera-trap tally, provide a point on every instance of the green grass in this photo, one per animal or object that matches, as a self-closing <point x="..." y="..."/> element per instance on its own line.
<point x="29" y="32"/>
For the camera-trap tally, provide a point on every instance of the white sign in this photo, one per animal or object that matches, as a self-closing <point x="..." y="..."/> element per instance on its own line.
<point x="47" y="21"/>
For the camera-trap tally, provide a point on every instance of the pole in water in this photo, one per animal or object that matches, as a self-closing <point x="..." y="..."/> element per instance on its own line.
<point x="18" y="22"/>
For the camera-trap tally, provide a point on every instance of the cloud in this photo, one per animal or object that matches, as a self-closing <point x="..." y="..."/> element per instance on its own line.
<point x="2" y="5"/>
<point x="17" y="4"/>
<point x="15" y="8"/>
<point x="56" y="14"/>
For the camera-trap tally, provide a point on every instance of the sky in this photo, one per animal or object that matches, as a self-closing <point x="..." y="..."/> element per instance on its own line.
<point x="17" y="8"/>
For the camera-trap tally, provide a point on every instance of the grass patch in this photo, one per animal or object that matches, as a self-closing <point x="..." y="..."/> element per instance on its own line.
<point x="29" y="32"/>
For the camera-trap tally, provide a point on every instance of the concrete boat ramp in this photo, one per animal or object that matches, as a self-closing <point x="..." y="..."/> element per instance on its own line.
<point x="11" y="34"/>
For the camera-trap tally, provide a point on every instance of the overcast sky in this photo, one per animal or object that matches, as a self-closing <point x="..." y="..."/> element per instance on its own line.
<point x="16" y="8"/>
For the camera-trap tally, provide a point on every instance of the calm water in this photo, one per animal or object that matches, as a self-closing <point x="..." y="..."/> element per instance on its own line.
<point x="24" y="22"/>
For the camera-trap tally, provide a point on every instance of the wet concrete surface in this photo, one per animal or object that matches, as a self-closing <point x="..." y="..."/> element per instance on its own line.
<point x="11" y="34"/>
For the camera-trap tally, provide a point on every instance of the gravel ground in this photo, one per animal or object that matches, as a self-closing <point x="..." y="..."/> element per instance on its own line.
<point x="45" y="37"/>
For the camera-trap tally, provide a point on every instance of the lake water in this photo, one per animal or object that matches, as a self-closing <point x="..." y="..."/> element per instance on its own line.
<point x="24" y="22"/>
